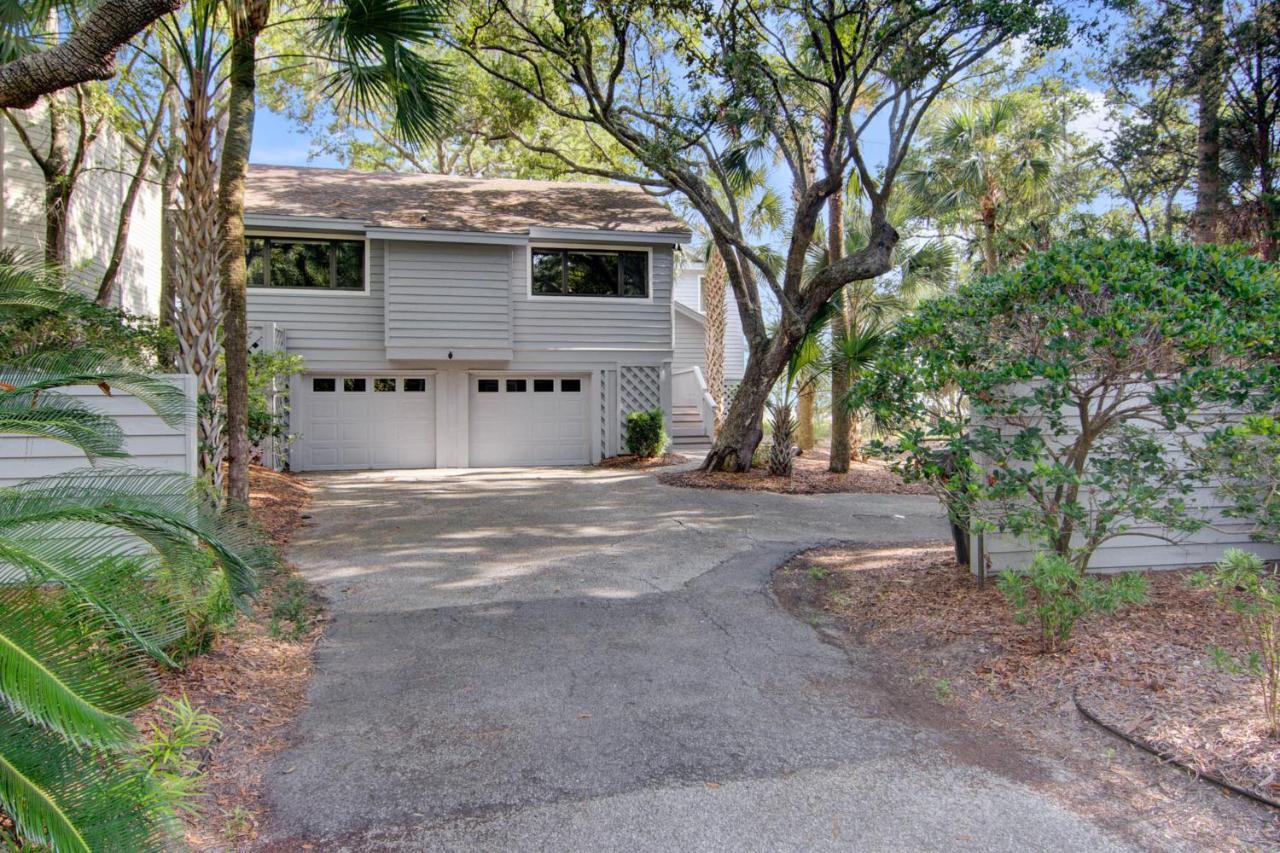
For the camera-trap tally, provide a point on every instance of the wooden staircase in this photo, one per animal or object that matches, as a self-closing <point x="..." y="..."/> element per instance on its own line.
<point x="687" y="432"/>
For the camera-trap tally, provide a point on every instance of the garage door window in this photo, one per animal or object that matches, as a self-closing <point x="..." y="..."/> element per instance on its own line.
<point x="571" y="385"/>
<point x="353" y="386"/>
<point x="384" y="385"/>
<point x="488" y="386"/>
<point x="324" y="385"/>
<point x="542" y="386"/>
<point x="412" y="386"/>
<point x="516" y="386"/>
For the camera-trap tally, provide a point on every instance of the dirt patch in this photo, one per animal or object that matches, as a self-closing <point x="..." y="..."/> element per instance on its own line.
<point x="253" y="679"/>
<point x="810" y="477"/>
<point x="1145" y="670"/>
<point x="628" y="462"/>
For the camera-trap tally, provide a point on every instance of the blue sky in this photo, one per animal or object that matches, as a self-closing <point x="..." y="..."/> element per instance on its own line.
<point x="276" y="141"/>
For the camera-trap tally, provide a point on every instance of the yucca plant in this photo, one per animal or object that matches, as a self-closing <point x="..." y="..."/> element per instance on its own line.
<point x="98" y="568"/>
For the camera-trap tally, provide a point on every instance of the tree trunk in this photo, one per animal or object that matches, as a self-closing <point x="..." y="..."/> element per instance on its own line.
<point x="740" y="432"/>
<point x="168" y="260"/>
<point x="106" y="288"/>
<point x="235" y="164"/>
<point x="714" y="308"/>
<point x="840" y="420"/>
<point x="805" y="401"/>
<point x="1210" y="86"/>
<point x="990" y="256"/>
<point x="195" y="269"/>
<point x="88" y="54"/>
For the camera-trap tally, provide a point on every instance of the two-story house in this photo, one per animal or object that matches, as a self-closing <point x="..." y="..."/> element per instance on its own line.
<point x="456" y="322"/>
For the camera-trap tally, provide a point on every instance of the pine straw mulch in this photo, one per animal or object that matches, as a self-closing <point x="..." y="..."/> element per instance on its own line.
<point x="253" y="681"/>
<point x="629" y="462"/>
<point x="809" y="477"/>
<point x="1145" y="671"/>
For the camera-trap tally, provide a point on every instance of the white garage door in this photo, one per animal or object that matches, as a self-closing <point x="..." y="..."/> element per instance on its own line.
<point x="353" y="422"/>
<point x="529" y="420"/>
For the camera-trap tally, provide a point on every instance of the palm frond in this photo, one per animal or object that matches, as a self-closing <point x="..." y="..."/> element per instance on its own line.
<point x="47" y="370"/>
<point x="159" y="508"/>
<point x="75" y="799"/>
<point x="63" y="419"/>
<point x="371" y="45"/>
<point x="51" y="676"/>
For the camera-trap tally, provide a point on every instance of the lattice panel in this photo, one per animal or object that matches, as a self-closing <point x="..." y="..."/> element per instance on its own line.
<point x="604" y="413"/>
<point x="639" y="389"/>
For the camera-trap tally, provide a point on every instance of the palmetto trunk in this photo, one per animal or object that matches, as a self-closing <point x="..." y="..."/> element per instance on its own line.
<point x="249" y="19"/>
<point x="196" y="263"/>
<point x="713" y="305"/>
<point x="840" y="423"/>
<point x="1210" y="85"/>
<point x="805" y="402"/>
<point x="782" y="452"/>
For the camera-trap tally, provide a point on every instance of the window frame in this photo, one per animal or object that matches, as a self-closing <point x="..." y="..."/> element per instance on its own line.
<point x="364" y="288"/>
<point x="606" y="299"/>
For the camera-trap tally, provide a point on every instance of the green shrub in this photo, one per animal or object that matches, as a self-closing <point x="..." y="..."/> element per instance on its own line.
<point x="1241" y="582"/>
<point x="647" y="433"/>
<point x="1069" y="377"/>
<point x="170" y="754"/>
<point x="1243" y="461"/>
<point x="1057" y="596"/>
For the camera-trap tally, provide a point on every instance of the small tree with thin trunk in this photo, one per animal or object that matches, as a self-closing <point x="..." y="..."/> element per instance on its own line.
<point x="807" y="80"/>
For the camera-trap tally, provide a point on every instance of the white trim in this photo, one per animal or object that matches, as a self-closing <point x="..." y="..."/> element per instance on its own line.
<point x="438" y="236"/>
<point x="610" y="236"/>
<point x="365" y="290"/>
<point x="594" y="300"/>
<point x="320" y="223"/>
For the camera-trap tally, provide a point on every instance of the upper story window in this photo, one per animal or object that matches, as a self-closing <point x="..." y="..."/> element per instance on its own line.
<point x="590" y="272"/>
<point x="304" y="262"/>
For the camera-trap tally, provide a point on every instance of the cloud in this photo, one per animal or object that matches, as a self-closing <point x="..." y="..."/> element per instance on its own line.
<point x="1094" y="123"/>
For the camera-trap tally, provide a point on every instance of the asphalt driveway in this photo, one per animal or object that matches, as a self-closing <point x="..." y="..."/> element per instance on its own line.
<point x="578" y="659"/>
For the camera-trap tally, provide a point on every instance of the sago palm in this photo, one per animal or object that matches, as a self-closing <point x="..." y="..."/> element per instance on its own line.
<point x="98" y="569"/>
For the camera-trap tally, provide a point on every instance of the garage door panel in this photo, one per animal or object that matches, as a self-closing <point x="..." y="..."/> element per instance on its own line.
<point x="542" y="425"/>
<point x="349" y="429"/>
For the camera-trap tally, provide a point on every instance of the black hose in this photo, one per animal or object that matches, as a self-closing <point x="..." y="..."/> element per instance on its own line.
<point x="1169" y="759"/>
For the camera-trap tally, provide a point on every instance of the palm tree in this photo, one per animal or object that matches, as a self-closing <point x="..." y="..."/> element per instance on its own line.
<point x="99" y="569"/>
<point x="368" y="53"/>
<point x="859" y="314"/>
<point x="984" y="162"/>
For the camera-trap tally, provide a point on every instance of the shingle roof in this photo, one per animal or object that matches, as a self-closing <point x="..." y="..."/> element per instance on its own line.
<point x="441" y="202"/>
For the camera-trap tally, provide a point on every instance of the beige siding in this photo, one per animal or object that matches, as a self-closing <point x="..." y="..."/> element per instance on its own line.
<point x="151" y="442"/>
<point x="93" y="217"/>
<point x="447" y="300"/>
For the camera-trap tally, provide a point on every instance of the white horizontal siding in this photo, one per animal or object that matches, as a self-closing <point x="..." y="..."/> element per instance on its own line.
<point x="1145" y="545"/>
<point x="94" y="214"/>
<point x="690" y="344"/>
<point x="150" y="442"/>
<point x="444" y="298"/>
<point x="688" y="293"/>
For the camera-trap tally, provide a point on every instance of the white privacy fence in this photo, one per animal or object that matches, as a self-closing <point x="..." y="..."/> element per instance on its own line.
<point x="151" y="442"/>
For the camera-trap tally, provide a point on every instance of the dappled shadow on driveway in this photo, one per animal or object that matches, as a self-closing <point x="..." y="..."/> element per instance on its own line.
<point x="466" y="536"/>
